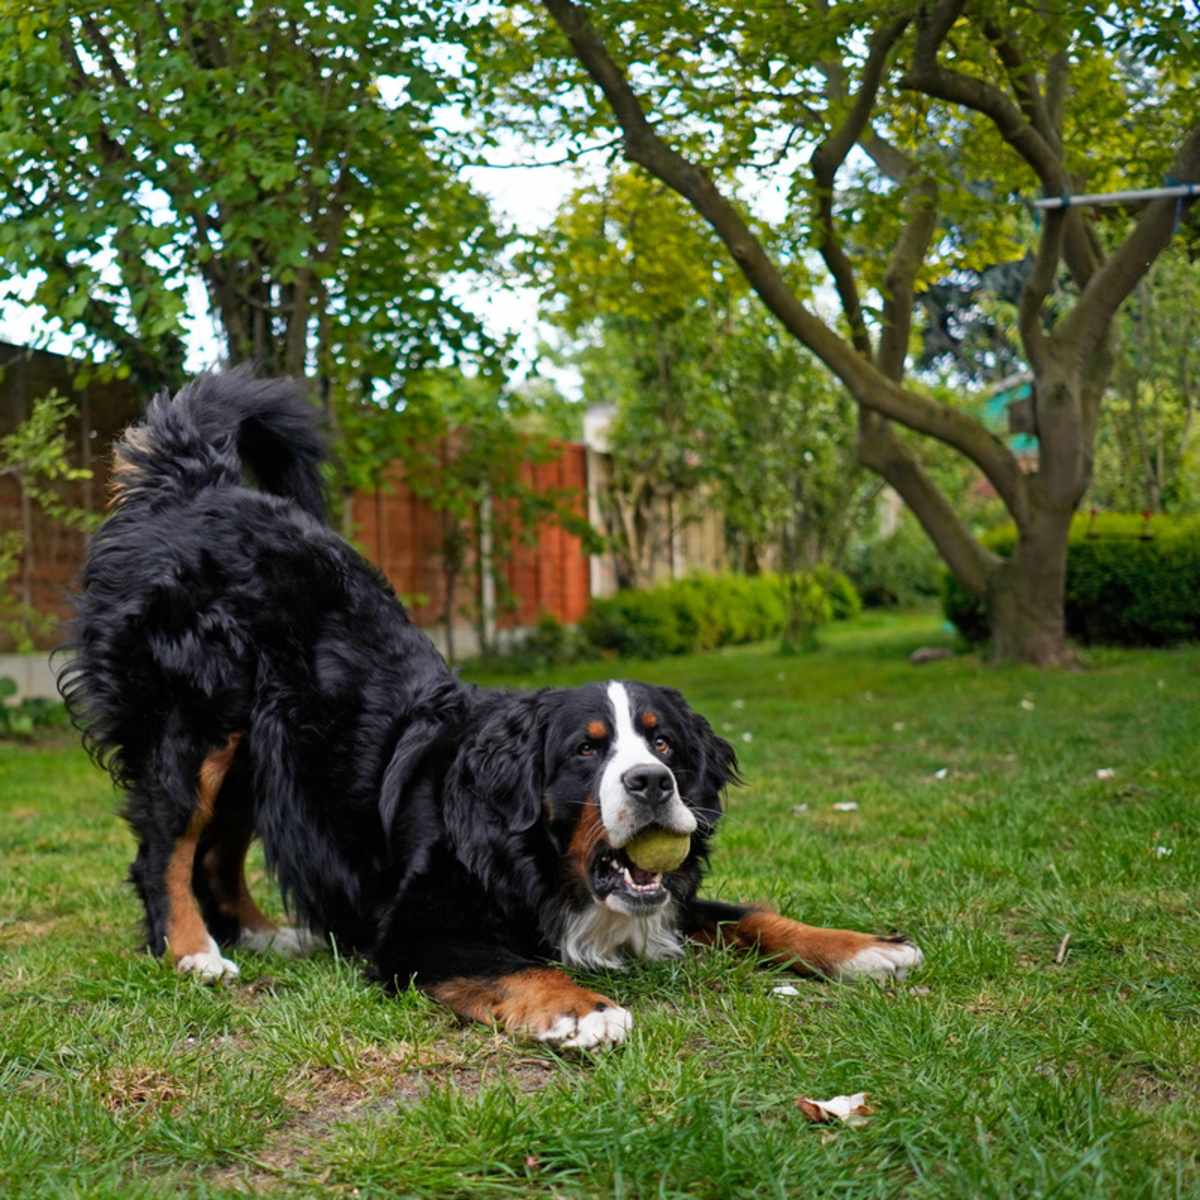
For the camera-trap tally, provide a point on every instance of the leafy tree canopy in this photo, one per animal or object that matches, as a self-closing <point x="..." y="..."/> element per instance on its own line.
<point x="890" y="143"/>
<point x="287" y="154"/>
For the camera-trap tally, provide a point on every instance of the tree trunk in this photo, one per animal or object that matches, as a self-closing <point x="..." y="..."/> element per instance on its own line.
<point x="1025" y="593"/>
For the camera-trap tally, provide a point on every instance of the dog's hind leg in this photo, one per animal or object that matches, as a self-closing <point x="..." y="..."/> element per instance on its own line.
<point x="187" y="937"/>
<point x="237" y="918"/>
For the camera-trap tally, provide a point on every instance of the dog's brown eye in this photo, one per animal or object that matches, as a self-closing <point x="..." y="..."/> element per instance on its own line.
<point x="586" y="749"/>
<point x="662" y="745"/>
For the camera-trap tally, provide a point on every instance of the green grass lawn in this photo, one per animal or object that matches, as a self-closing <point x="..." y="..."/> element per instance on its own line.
<point x="981" y="829"/>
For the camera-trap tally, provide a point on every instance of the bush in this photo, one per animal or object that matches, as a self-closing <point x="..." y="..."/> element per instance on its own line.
<point x="844" y="600"/>
<point x="1129" y="581"/>
<point x="898" y="571"/>
<point x="23" y="719"/>
<point x="703" y="612"/>
<point x="808" y="608"/>
<point x="549" y="643"/>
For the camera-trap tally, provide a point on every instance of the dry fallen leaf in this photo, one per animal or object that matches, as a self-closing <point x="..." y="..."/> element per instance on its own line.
<point x="854" y="1110"/>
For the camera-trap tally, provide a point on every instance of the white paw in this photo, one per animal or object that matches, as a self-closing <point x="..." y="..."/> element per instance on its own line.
<point x="883" y="961"/>
<point x="601" y="1027"/>
<point x="208" y="964"/>
<point x="290" y="940"/>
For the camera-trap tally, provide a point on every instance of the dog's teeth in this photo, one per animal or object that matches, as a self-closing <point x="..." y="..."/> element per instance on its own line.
<point x="652" y="886"/>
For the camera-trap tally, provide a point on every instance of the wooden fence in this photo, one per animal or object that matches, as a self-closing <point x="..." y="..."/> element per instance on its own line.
<point x="544" y="572"/>
<point x="399" y="532"/>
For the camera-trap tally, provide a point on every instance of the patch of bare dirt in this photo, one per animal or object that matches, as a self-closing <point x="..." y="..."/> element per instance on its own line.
<point x="19" y="933"/>
<point x="1146" y="1090"/>
<point x="380" y="1079"/>
<point x="139" y="1090"/>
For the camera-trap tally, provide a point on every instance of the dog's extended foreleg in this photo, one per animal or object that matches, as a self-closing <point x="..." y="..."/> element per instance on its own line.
<point x="447" y="949"/>
<point x="538" y="1002"/>
<point x="805" y="949"/>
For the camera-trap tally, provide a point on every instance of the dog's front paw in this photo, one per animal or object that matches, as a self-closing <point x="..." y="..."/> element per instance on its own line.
<point x="882" y="959"/>
<point x="207" y="964"/>
<point x="605" y="1025"/>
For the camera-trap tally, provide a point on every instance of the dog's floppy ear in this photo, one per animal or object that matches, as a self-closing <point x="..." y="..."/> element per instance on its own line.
<point x="498" y="773"/>
<point x="414" y="744"/>
<point x="493" y="802"/>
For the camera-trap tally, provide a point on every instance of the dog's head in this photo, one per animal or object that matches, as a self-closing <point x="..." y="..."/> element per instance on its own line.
<point x="549" y="789"/>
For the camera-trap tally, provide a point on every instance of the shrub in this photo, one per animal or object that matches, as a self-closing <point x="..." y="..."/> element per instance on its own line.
<point x="1129" y="581"/>
<point x="897" y="571"/>
<point x="24" y="719"/>
<point x="635" y="625"/>
<point x="808" y="608"/>
<point x="703" y="612"/>
<point x="844" y="600"/>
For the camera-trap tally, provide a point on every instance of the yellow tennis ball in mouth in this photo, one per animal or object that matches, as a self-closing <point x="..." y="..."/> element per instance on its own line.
<point x="658" y="850"/>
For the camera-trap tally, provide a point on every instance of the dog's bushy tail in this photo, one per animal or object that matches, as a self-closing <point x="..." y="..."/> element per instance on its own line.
<point x="215" y="427"/>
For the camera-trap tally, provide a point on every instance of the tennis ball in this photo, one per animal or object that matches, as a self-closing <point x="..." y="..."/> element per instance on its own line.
<point x="658" y="850"/>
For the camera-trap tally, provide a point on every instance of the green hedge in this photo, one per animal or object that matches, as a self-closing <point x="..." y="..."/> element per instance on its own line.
<point x="1129" y="581"/>
<point x="703" y="612"/>
<point x="902" y="570"/>
<point x="30" y="715"/>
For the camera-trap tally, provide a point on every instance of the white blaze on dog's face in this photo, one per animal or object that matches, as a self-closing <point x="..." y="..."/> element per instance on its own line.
<point x="637" y="787"/>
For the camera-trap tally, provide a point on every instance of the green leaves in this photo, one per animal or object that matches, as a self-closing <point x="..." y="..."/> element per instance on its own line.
<point x="251" y="147"/>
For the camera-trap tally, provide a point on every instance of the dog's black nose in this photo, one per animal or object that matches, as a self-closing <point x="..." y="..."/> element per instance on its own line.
<point x="651" y="782"/>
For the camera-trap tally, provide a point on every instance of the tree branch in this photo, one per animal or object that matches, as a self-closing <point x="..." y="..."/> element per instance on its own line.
<point x="905" y="262"/>
<point x="102" y="47"/>
<point x="828" y="158"/>
<point x="883" y="452"/>
<point x="1089" y="320"/>
<point x="867" y="384"/>
<point x="1037" y="288"/>
<point x="1024" y="83"/>
<point x="931" y="78"/>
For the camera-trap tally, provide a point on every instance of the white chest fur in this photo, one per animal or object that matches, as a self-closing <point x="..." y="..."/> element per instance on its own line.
<point x="600" y="937"/>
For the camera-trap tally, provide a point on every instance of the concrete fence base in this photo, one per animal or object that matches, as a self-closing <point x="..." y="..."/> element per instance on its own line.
<point x="32" y="673"/>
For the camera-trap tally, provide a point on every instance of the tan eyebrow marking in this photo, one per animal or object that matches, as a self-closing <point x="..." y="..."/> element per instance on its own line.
<point x="649" y="719"/>
<point x="597" y="729"/>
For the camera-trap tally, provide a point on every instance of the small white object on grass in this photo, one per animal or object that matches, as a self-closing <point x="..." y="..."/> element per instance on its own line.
<point x="785" y="989"/>
<point x="798" y="810"/>
<point x="1106" y="773"/>
<point x="747" y="736"/>
<point x="854" y="1110"/>
<point x="1163" y="851"/>
<point x="846" y="806"/>
<point x="941" y="773"/>
<point x="1027" y="704"/>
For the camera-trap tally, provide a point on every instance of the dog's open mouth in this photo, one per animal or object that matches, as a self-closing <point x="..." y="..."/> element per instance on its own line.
<point x="616" y="878"/>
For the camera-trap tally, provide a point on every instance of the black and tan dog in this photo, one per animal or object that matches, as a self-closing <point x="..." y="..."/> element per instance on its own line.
<point x="242" y="672"/>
